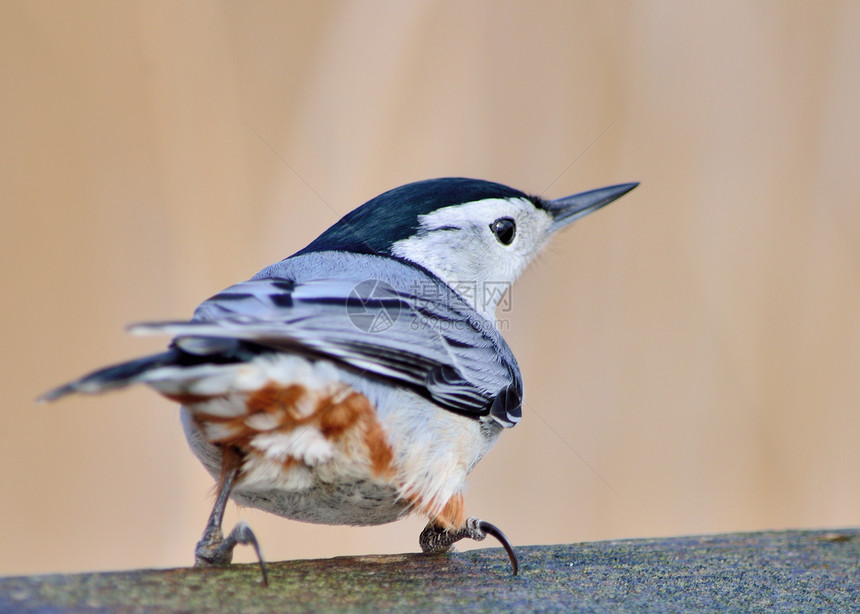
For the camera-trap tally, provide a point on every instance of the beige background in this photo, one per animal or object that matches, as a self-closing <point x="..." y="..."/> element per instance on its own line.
<point x="691" y="354"/>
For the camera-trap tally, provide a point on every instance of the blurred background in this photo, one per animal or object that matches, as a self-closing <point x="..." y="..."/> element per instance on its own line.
<point x="691" y="354"/>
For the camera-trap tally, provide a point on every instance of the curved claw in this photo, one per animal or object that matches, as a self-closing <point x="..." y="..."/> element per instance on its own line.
<point x="491" y="529"/>
<point x="213" y="550"/>
<point x="242" y="534"/>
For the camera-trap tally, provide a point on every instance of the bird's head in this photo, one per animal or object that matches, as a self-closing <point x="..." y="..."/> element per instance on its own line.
<point x="467" y="232"/>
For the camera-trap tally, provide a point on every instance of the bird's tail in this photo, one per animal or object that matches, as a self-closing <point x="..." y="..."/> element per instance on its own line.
<point x="116" y="376"/>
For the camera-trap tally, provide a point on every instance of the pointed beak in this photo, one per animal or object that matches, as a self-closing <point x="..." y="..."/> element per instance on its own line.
<point x="566" y="210"/>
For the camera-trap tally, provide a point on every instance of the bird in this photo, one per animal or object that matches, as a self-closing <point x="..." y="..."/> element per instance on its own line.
<point x="362" y="378"/>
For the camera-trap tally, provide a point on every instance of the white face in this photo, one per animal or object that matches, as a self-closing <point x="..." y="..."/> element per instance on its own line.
<point x="474" y="244"/>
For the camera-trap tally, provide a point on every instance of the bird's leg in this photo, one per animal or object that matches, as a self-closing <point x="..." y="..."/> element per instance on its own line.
<point x="213" y="548"/>
<point x="435" y="539"/>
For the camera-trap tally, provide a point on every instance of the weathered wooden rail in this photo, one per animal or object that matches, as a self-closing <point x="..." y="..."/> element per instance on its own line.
<point x="815" y="571"/>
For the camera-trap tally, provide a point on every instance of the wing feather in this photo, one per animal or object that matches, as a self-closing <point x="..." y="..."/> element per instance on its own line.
<point x="439" y="346"/>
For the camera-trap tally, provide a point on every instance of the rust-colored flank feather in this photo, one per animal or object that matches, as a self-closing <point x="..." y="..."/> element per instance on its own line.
<point x="453" y="515"/>
<point x="344" y="418"/>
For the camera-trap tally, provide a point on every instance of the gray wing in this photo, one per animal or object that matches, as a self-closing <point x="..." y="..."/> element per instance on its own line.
<point x="436" y="345"/>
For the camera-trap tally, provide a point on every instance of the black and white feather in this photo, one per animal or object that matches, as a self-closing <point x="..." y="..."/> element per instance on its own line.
<point x="433" y="343"/>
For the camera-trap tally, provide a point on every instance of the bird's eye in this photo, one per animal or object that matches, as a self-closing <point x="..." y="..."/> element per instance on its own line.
<point x="505" y="229"/>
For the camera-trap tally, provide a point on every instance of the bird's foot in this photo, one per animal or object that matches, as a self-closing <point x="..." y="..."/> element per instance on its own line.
<point x="435" y="539"/>
<point x="214" y="549"/>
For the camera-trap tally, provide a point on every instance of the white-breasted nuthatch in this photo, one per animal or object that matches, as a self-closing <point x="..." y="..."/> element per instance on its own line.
<point x="362" y="378"/>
